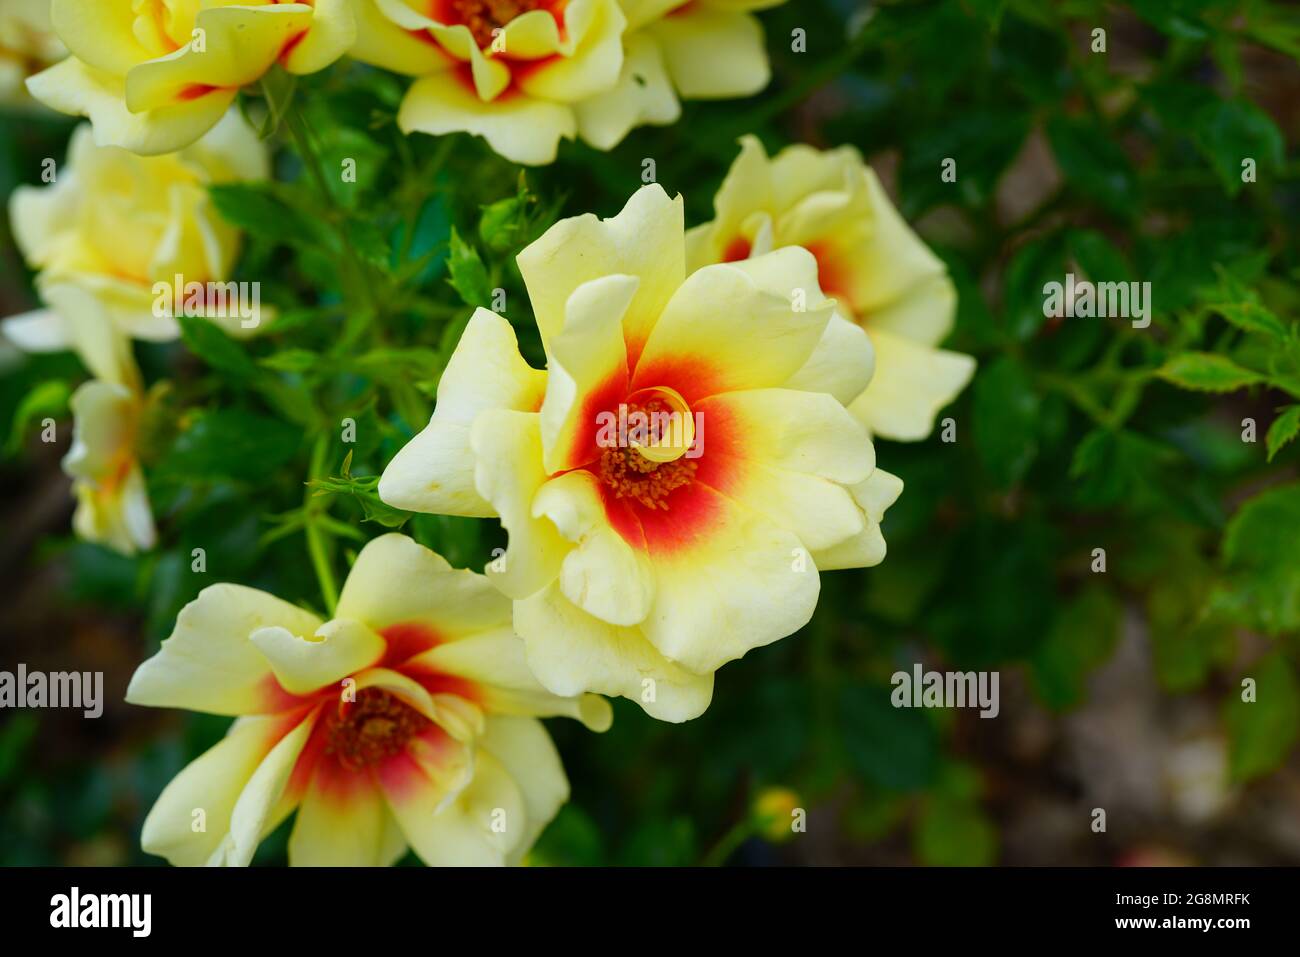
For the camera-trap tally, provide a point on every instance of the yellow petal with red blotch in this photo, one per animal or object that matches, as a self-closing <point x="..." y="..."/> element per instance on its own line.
<point x="508" y="472"/>
<point x="644" y="240"/>
<point x="520" y="128"/>
<point x="434" y="472"/>
<point x="738" y="584"/>
<point x="742" y="325"/>
<point x="259" y="809"/>
<point x="603" y="575"/>
<point x="713" y="54"/>
<point x="806" y="432"/>
<point x="642" y="94"/>
<point x="406" y="592"/>
<point x="74" y="87"/>
<point x="212" y="784"/>
<point x="841" y="365"/>
<point x="343" y="821"/>
<point x="571" y="652"/>
<point x="209" y="662"/>
<point x="912" y="383"/>
<point x="384" y="43"/>
<point x="747" y="189"/>
<point x="896" y="282"/>
<point x="587" y="370"/>
<point x="496" y="665"/>
<point x="821" y="513"/>
<point x="333" y="32"/>
<point x="528" y="755"/>
<point x="594" y="64"/>
<point x="867" y="548"/>
<point x="458" y="832"/>
<point x="240" y="45"/>
<point x="306" y="663"/>
<point x="118" y="517"/>
<point x="100" y="34"/>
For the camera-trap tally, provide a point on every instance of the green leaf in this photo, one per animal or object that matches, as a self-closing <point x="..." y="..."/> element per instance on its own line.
<point x="232" y="443"/>
<point x="1094" y="163"/>
<point x="365" y="490"/>
<point x="892" y="748"/>
<point x="255" y="207"/>
<point x="1284" y="429"/>
<point x="1034" y="265"/>
<point x="1252" y="317"/>
<point x="954" y="833"/>
<point x="504" y="224"/>
<point x="1006" y="421"/>
<point x="1112" y="466"/>
<point x="572" y="839"/>
<point x="206" y="340"/>
<point x="466" y="272"/>
<point x="1262" y="732"/>
<point x="294" y="360"/>
<point x="1207" y="372"/>
<point x="1083" y="638"/>
<point x="46" y="400"/>
<point x="1261" y="552"/>
<point x="1231" y="131"/>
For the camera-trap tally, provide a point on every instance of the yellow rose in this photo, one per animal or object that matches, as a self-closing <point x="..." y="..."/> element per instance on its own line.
<point x="408" y="719"/>
<point x="27" y="44"/>
<point x="110" y="226"/>
<point x="112" y="502"/>
<point x="507" y="70"/>
<point x="641" y="563"/>
<point x="869" y="259"/>
<point x="155" y="75"/>
<point x="695" y="49"/>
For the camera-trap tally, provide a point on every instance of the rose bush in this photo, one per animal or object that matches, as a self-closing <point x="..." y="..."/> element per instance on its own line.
<point x="770" y="294"/>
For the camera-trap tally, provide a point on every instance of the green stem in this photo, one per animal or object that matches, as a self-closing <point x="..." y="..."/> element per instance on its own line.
<point x="725" y="847"/>
<point x="315" y="532"/>
<point x="362" y="314"/>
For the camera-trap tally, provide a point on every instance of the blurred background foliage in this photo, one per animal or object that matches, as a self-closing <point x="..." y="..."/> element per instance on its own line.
<point x="1120" y="689"/>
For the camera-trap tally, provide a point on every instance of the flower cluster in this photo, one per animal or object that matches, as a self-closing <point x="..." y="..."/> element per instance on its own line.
<point x="697" y="451"/>
<point x="109" y="227"/>
<point x="154" y="76"/>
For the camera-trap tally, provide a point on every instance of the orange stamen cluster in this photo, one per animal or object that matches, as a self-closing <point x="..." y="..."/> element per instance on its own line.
<point x="374" y="727"/>
<point x="484" y="16"/>
<point x="629" y="474"/>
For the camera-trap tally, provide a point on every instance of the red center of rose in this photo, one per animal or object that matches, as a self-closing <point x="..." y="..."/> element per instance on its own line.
<point x="629" y="474"/>
<point x="484" y="16"/>
<point x="374" y="727"/>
